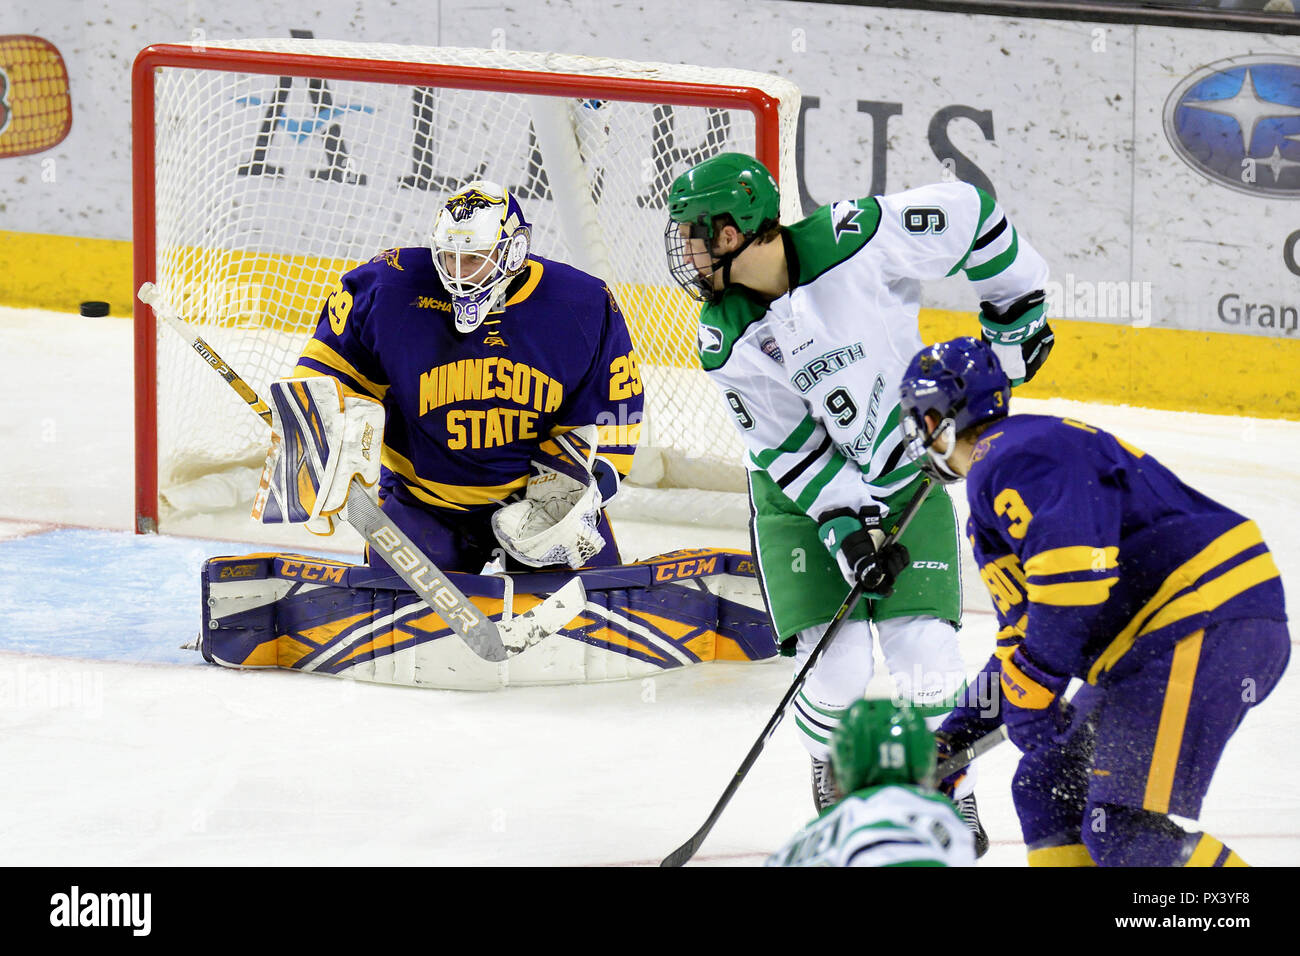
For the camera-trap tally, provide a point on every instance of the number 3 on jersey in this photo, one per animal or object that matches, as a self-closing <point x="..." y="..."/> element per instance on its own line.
<point x="1009" y="503"/>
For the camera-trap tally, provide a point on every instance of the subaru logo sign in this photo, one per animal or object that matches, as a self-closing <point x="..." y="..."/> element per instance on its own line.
<point x="1237" y="121"/>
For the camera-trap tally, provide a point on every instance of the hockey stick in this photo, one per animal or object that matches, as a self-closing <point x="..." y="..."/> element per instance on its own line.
<point x="968" y="754"/>
<point x="688" y="849"/>
<point x="488" y="639"/>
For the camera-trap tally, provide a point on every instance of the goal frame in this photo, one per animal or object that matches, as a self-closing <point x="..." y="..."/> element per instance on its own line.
<point x="763" y="106"/>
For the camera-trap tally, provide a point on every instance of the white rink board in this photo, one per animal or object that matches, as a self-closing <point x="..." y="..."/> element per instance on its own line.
<point x="1064" y="118"/>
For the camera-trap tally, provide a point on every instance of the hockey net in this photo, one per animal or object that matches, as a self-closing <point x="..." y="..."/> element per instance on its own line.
<point x="267" y="168"/>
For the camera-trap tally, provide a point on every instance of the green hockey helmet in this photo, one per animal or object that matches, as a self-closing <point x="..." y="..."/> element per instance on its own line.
<point x="879" y="742"/>
<point x="729" y="184"/>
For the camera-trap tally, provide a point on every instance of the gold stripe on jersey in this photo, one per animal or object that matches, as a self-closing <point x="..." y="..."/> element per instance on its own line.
<point x="318" y="351"/>
<point x="1077" y="558"/>
<point x="1215" y="592"/>
<point x="607" y="436"/>
<point x="443" y="495"/>
<point x="1173" y="720"/>
<point x="535" y="270"/>
<point x="1073" y="854"/>
<point x="1010" y="637"/>
<point x="617" y="434"/>
<point x="1223" y="548"/>
<point x="1071" y="593"/>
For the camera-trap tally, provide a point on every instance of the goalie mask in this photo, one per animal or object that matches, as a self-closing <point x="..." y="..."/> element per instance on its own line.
<point x="480" y="243"/>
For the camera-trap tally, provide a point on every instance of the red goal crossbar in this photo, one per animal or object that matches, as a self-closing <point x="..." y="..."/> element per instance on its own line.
<point x="152" y="59"/>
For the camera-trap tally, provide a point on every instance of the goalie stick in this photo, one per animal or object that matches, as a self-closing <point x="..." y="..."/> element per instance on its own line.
<point x="485" y="637"/>
<point x="688" y="849"/>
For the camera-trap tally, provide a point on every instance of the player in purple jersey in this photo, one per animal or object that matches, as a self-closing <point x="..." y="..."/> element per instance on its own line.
<point x="1103" y="567"/>
<point x="504" y="378"/>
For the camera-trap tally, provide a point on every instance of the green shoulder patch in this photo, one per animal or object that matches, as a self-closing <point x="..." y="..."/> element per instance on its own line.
<point x="722" y="324"/>
<point x="833" y="234"/>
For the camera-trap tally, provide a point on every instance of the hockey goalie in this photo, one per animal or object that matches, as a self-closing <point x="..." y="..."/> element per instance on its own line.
<point x="472" y="383"/>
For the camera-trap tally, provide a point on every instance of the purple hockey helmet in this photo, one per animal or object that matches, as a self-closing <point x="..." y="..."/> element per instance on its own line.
<point x="960" y="383"/>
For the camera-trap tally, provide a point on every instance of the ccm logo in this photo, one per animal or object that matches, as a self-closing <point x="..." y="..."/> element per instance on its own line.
<point x="930" y="565"/>
<point x="311" y="572"/>
<point x="685" y="569"/>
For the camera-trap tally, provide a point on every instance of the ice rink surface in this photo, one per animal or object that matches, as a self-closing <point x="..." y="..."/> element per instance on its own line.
<point x="121" y="749"/>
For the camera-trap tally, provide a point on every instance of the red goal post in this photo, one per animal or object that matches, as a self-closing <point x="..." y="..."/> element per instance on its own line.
<point x="264" y="169"/>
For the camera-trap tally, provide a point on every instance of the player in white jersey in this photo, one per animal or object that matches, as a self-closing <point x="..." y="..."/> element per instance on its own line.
<point x="807" y="330"/>
<point x="889" y="813"/>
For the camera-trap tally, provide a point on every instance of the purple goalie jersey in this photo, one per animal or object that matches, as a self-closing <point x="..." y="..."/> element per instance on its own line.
<point x="465" y="414"/>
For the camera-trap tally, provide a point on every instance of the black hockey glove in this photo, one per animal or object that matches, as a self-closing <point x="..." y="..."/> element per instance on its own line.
<point x="1019" y="335"/>
<point x="854" y="542"/>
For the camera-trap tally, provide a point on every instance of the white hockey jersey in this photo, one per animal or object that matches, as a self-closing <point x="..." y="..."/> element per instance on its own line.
<point x="812" y="377"/>
<point x="883" y="826"/>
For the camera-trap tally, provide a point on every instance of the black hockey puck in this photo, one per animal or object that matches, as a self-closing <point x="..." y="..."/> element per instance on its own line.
<point x="94" y="309"/>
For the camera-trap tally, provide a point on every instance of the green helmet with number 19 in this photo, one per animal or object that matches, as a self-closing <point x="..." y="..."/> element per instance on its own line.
<point x="729" y="184"/>
<point x="878" y="742"/>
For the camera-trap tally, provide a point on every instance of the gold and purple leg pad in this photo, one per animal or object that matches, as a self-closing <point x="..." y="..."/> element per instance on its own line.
<point x="345" y="620"/>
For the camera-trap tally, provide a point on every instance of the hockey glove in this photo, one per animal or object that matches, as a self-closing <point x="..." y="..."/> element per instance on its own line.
<point x="558" y="521"/>
<point x="1033" y="707"/>
<point x="854" y="541"/>
<point x="1019" y="335"/>
<point x="321" y="436"/>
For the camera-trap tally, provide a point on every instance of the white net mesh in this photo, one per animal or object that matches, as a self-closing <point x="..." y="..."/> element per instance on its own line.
<point x="270" y="184"/>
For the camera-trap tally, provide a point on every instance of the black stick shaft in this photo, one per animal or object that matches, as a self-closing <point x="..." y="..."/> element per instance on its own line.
<point x="692" y="846"/>
<point x="968" y="754"/>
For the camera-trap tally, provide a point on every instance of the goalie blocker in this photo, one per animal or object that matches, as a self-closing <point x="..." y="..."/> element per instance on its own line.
<point x="344" y="620"/>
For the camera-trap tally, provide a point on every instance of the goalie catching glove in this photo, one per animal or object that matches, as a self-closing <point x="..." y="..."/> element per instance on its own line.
<point x="558" y="520"/>
<point x="320" y="438"/>
<point x="854" y="542"/>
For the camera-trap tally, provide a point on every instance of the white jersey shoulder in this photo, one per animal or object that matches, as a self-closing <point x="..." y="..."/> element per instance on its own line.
<point x="812" y="376"/>
<point x="883" y="826"/>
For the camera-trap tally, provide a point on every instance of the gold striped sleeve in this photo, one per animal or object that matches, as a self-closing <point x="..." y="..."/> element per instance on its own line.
<point x="1076" y="558"/>
<point x="1225" y="546"/>
<point x="318" y="351"/>
<point x="1071" y="593"/>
